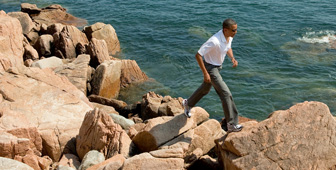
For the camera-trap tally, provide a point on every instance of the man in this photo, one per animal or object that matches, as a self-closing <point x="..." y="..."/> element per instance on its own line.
<point x="214" y="51"/>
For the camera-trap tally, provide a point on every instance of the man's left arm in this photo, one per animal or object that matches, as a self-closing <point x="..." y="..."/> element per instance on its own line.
<point x="234" y="61"/>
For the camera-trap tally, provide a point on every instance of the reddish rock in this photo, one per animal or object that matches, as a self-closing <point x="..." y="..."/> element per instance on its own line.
<point x="11" y="45"/>
<point x="131" y="73"/>
<point x="163" y="129"/>
<point x="25" y="21"/>
<point x="57" y="14"/>
<point x="99" y="132"/>
<point x="105" y="32"/>
<point x="98" y="52"/>
<point x="146" y="161"/>
<point x="106" y="79"/>
<point x="40" y="98"/>
<point x="113" y="163"/>
<point x="302" y="137"/>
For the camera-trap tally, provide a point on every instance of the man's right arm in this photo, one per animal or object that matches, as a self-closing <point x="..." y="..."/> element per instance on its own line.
<point x="200" y="62"/>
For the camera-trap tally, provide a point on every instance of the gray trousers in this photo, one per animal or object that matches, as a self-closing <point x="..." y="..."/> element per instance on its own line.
<point x="229" y="107"/>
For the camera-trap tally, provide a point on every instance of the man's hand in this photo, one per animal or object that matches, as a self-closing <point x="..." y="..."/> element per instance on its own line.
<point x="207" y="78"/>
<point x="234" y="63"/>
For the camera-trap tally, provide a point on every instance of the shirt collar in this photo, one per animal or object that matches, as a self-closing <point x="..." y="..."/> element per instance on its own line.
<point x="222" y="37"/>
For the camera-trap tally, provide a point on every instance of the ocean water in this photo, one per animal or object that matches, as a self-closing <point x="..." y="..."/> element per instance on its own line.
<point x="284" y="48"/>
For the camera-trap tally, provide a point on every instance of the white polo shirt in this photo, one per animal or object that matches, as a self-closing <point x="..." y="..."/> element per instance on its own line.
<point x="214" y="50"/>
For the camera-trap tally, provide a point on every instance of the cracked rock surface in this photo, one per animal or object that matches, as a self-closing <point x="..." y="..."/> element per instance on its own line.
<point x="302" y="137"/>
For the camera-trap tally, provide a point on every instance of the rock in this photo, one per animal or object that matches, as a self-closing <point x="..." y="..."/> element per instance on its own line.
<point x="113" y="163"/>
<point x="105" y="32"/>
<point x="117" y="104"/>
<point x="91" y="158"/>
<point x="67" y="40"/>
<point x="150" y="105"/>
<point x="32" y="37"/>
<point x="11" y="145"/>
<point x="146" y="161"/>
<point x="30" y="53"/>
<point x="55" y="6"/>
<point x="28" y="62"/>
<point x="131" y="73"/>
<point x="162" y="129"/>
<point x="11" y="45"/>
<point x="168" y="153"/>
<point x="30" y="8"/>
<point x="25" y="21"/>
<point x="54" y="28"/>
<point x="34" y="161"/>
<point x="154" y="105"/>
<point x="122" y="121"/>
<point x="61" y="167"/>
<point x="26" y="139"/>
<point x="76" y="35"/>
<point x="105" y="108"/>
<point x="57" y="14"/>
<point x="10" y="164"/>
<point x="51" y="62"/>
<point x="170" y="106"/>
<point x="98" y="52"/>
<point x="70" y="160"/>
<point x="76" y="72"/>
<point x="64" y="45"/>
<point x="106" y="79"/>
<point x="202" y="137"/>
<point x="44" y="45"/>
<point x="99" y="132"/>
<point x="302" y="137"/>
<point x="42" y="99"/>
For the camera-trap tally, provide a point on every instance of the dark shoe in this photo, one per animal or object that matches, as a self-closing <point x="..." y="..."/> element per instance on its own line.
<point x="234" y="128"/>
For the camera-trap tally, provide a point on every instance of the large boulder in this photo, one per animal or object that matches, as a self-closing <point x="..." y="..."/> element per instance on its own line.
<point x="44" y="45"/>
<point x="131" y="73"/>
<point x="202" y="137"/>
<point x="163" y="129"/>
<point x="30" y="8"/>
<point x="98" y="52"/>
<point x="105" y="32"/>
<point x="56" y="14"/>
<point x="99" y="132"/>
<point x="11" y="46"/>
<point x="67" y="40"/>
<point x="31" y="97"/>
<point x="77" y="72"/>
<point x="26" y="22"/>
<point x="106" y="79"/>
<point x="302" y="137"/>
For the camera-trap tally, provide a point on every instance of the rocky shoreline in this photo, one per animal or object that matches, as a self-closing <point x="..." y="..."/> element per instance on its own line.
<point x="59" y="110"/>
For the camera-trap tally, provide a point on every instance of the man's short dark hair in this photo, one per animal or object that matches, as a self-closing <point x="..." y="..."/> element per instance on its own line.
<point x="228" y="23"/>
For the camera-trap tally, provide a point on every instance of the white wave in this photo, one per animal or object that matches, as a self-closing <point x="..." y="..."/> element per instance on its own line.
<point x="321" y="37"/>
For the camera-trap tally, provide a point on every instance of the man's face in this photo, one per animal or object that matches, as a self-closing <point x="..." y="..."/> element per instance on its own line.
<point x="232" y="31"/>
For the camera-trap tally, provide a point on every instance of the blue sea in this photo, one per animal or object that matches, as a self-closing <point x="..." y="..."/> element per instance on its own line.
<point x="284" y="48"/>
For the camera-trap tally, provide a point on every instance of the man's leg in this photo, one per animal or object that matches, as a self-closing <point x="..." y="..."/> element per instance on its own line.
<point x="229" y="107"/>
<point x="198" y="94"/>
